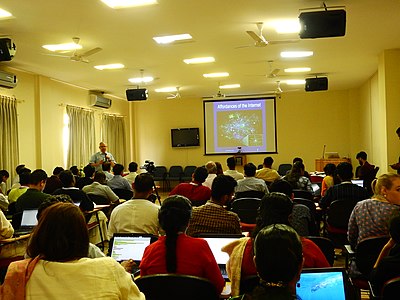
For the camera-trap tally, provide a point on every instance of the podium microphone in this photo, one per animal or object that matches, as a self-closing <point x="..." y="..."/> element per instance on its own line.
<point x="323" y="152"/>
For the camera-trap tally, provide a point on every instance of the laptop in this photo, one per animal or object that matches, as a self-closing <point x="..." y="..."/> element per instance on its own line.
<point x="28" y="222"/>
<point x="359" y="182"/>
<point x="216" y="243"/>
<point x="323" y="283"/>
<point x="129" y="246"/>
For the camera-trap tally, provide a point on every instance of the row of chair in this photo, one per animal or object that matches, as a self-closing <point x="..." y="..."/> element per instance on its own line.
<point x="175" y="173"/>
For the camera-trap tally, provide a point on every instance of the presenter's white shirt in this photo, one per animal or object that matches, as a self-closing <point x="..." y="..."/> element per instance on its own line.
<point x="235" y="174"/>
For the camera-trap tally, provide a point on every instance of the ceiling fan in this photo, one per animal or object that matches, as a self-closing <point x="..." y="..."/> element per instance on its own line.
<point x="79" y="57"/>
<point x="176" y="95"/>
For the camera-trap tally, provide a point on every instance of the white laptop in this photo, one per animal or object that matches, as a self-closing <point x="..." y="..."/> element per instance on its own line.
<point x="358" y="182"/>
<point x="125" y="247"/>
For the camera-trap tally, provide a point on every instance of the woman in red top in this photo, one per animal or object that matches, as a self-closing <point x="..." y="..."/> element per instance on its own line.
<point x="176" y="252"/>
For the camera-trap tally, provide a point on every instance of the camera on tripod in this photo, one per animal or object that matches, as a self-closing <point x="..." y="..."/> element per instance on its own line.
<point x="148" y="166"/>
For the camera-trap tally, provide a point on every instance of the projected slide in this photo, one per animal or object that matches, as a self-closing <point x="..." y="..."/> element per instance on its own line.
<point x="248" y="124"/>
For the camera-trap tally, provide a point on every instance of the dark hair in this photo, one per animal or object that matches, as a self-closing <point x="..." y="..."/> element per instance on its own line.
<point x="249" y="169"/>
<point x="200" y="174"/>
<point x="132" y="167"/>
<point x="106" y="167"/>
<point x="222" y="185"/>
<point x="89" y="170"/>
<point x="345" y="171"/>
<point x="275" y="208"/>
<point x="24" y="176"/>
<point x="57" y="170"/>
<point x="74" y="170"/>
<point x="219" y="168"/>
<point x="61" y="234"/>
<point x="118" y="169"/>
<point x="19" y="168"/>
<point x="295" y="173"/>
<point x="278" y="258"/>
<point x="143" y="183"/>
<point x="297" y="159"/>
<point x="174" y="216"/>
<point x="4" y="173"/>
<point x="394" y="228"/>
<point x="361" y="155"/>
<point x="53" y="199"/>
<point x="66" y="178"/>
<point x="282" y="186"/>
<point x="330" y="169"/>
<point x="268" y="161"/>
<point x="231" y="163"/>
<point x="398" y="130"/>
<point x="99" y="177"/>
<point x="37" y="176"/>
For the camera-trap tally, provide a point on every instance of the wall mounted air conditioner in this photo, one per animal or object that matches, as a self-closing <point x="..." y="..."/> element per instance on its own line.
<point x="8" y="80"/>
<point x="99" y="101"/>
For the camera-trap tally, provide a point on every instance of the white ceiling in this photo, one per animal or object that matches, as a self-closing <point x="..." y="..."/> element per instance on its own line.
<point x="217" y="26"/>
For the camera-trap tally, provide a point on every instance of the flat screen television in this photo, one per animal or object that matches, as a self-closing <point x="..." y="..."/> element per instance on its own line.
<point x="185" y="137"/>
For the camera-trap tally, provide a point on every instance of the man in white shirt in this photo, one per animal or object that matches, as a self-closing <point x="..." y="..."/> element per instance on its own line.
<point x="212" y="173"/>
<point x="137" y="215"/>
<point x="251" y="183"/>
<point x="99" y="188"/>
<point x="230" y="162"/>
<point x="133" y="167"/>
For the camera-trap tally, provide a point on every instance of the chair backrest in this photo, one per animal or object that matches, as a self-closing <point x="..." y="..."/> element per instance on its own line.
<point x="284" y="168"/>
<point x="177" y="287"/>
<point x="175" y="172"/>
<point x="303" y="194"/>
<point x="246" y="208"/>
<point x="123" y="193"/>
<point x="391" y="289"/>
<point x="250" y="194"/>
<point x="327" y="247"/>
<point x="367" y="251"/>
<point x="99" y="200"/>
<point x="310" y="204"/>
<point x="339" y="212"/>
<point x="187" y="172"/>
<point x="160" y="173"/>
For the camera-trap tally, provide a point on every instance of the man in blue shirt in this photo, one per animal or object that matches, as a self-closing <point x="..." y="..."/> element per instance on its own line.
<point x="101" y="157"/>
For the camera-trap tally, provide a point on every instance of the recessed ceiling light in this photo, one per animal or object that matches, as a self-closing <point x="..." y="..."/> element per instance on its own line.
<point x="214" y="75"/>
<point x="295" y="81"/>
<point x="166" y="90"/>
<point x="127" y="3"/>
<point x="286" y="25"/>
<point x="109" y="67"/>
<point x="141" y="79"/>
<point x="230" y="86"/>
<point x="296" y="54"/>
<point x="297" y="70"/>
<point x="172" y="38"/>
<point x="4" y="14"/>
<point x="199" y="60"/>
<point x="63" y="47"/>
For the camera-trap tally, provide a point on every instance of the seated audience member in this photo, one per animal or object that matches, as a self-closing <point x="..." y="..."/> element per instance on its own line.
<point x="231" y="163"/>
<point x="278" y="267"/>
<point x="137" y="215"/>
<point x="275" y="208"/>
<point x="3" y="202"/>
<point x="119" y="182"/>
<point x="15" y="182"/>
<point x="330" y="178"/>
<point x="297" y="179"/>
<point x="75" y="171"/>
<point x="219" y="168"/>
<point x="268" y="174"/>
<point x="212" y="217"/>
<point x="299" y="159"/>
<point x="133" y="167"/>
<point x="107" y="170"/>
<point x="176" y="252"/>
<point x="78" y="196"/>
<point x="59" y="267"/>
<point x="371" y="217"/>
<point x="194" y="191"/>
<point x="23" y="185"/>
<point x="250" y="182"/>
<point x="99" y="188"/>
<point x="4" y="175"/>
<point x="33" y="196"/>
<point x="346" y="190"/>
<point x="6" y="229"/>
<point x="387" y="266"/>
<point x="212" y="173"/>
<point x="88" y="170"/>
<point x="53" y="182"/>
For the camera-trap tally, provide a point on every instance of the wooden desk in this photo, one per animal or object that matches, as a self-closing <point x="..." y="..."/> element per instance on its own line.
<point x="320" y="163"/>
<point x="14" y="247"/>
<point x="93" y="225"/>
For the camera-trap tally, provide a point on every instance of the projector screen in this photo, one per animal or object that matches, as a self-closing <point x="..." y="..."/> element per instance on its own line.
<point x="245" y="125"/>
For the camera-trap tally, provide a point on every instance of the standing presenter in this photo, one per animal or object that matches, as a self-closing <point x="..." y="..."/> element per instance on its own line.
<point x="101" y="157"/>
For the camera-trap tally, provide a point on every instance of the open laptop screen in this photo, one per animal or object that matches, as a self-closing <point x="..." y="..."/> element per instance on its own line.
<point x="129" y="247"/>
<point x="359" y="182"/>
<point x="324" y="283"/>
<point x="216" y="243"/>
<point x="29" y="218"/>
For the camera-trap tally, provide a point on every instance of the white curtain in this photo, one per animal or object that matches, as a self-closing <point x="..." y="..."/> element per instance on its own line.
<point x="9" y="150"/>
<point x="81" y="136"/>
<point x="113" y="134"/>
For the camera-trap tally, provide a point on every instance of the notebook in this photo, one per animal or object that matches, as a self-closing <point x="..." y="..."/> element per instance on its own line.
<point x="28" y="222"/>
<point x="127" y="246"/>
<point x="216" y="243"/>
<point x="323" y="283"/>
<point x="359" y="182"/>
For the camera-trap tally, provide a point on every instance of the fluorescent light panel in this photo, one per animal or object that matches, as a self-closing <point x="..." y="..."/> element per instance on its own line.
<point x="297" y="70"/>
<point x="172" y="38"/>
<point x="109" y="67"/>
<point x="166" y="90"/>
<point x="286" y="25"/>
<point x="141" y="79"/>
<point x="199" y="60"/>
<point x="230" y="86"/>
<point x="127" y="3"/>
<point x="62" y="47"/>
<point x="296" y="54"/>
<point x="295" y="81"/>
<point x="216" y="75"/>
<point x="4" y="14"/>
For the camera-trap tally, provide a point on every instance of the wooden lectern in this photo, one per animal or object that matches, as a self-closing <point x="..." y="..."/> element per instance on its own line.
<point x="320" y="163"/>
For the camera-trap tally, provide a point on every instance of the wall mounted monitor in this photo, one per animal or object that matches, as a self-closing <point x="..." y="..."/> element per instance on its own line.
<point x="241" y="125"/>
<point x="185" y="137"/>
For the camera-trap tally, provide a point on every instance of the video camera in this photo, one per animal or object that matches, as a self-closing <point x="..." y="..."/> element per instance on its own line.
<point x="148" y="166"/>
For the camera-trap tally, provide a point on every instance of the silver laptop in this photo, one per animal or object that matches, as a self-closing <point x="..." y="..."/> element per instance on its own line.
<point x="127" y="247"/>
<point x="358" y="182"/>
<point x="28" y="222"/>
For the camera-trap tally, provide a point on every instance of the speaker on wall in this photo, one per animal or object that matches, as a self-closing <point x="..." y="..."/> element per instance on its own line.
<point x="136" y="94"/>
<point x="7" y="49"/>
<point x="316" y="84"/>
<point x="319" y="24"/>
